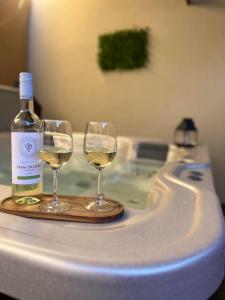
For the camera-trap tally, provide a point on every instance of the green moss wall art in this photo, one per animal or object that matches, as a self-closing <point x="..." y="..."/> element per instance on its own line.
<point x="123" y="50"/>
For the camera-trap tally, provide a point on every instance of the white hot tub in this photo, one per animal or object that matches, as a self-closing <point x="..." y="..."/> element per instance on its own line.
<point x="169" y="244"/>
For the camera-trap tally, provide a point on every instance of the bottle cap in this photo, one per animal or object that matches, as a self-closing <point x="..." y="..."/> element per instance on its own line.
<point x="25" y="77"/>
<point x="26" y="89"/>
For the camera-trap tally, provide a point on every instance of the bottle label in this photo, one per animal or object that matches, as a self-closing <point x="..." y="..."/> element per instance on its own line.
<point x="26" y="165"/>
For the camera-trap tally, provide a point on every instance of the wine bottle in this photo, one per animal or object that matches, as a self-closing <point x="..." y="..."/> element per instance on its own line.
<point x="25" y="144"/>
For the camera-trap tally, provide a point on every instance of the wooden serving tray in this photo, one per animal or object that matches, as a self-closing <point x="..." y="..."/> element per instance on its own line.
<point x="78" y="213"/>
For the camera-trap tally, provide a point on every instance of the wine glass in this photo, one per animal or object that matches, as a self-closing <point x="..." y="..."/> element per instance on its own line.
<point x="56" y="150"/>
<point x="100" y="148"/>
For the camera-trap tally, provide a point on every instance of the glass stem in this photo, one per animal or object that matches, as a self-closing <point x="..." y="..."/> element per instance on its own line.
<point x="55" y="199"/>
<point x="99" y="194"/>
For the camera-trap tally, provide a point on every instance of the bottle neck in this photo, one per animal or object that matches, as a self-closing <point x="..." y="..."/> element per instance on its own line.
<point x="26" y="105"/>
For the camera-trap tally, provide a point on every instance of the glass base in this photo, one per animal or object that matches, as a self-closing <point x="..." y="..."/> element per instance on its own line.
<point x="99" y="206"/>
<point x="48" y="207"/>
<point x="27" y="200"/>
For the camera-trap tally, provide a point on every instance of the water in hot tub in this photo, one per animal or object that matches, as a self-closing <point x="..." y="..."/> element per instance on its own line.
<point x="126" y="181"/>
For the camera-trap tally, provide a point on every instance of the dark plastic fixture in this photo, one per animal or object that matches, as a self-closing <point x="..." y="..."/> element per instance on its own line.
<point x="186" y="134"/>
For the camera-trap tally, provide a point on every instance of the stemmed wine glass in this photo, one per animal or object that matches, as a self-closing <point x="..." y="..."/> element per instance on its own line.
<point x="56" y="150"/>
<point x="100" y="148"/>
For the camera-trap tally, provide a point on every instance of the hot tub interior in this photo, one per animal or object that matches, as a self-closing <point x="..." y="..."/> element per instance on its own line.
<point x="127" y="180"/>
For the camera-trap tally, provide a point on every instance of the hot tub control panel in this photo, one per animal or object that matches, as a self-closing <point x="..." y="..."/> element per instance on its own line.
<point x="152" y="151"/>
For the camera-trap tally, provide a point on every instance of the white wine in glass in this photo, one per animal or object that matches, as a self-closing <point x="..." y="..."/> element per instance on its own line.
<point x="100" y="157"/>
<point x="56" y="150"/>
<point x="55" y="157"/>
<point x="100" y="147"/>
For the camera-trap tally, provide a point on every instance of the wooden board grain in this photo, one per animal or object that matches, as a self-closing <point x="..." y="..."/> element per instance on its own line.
<point x="78" y="212"/>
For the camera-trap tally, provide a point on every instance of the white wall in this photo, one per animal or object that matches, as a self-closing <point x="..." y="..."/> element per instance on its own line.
<point x="185" y="76"/>
<point x="14" y="16"/>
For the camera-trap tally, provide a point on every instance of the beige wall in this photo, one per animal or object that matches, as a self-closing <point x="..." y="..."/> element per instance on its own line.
<point x="185" y="76"/>
<point x="13" y="39"/>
